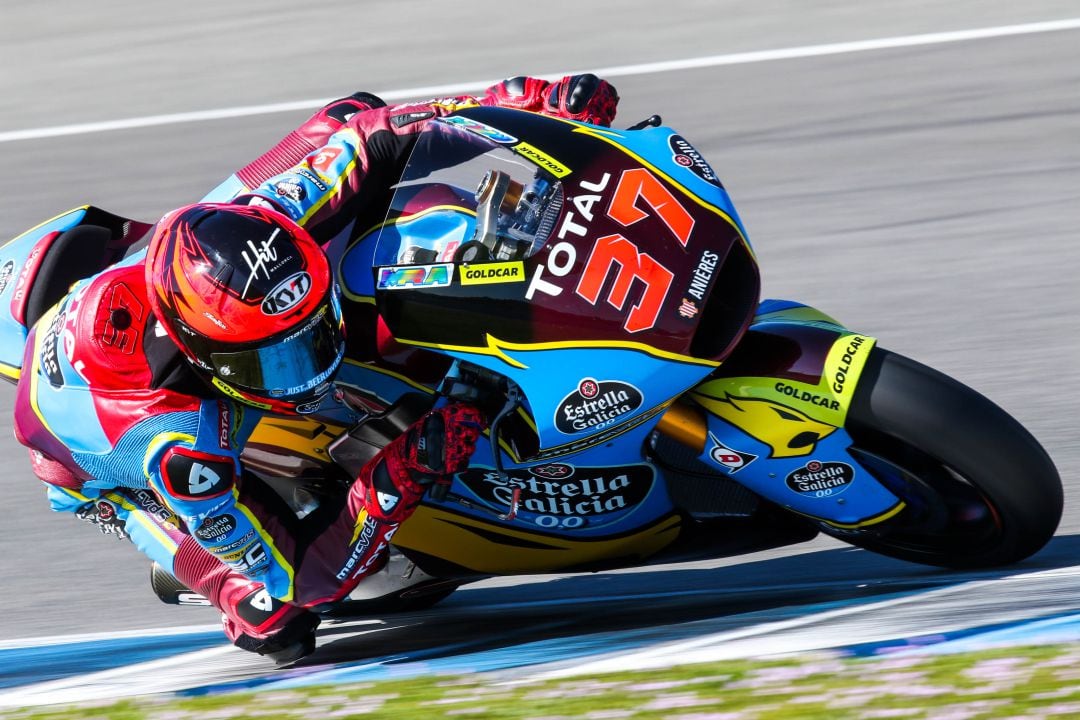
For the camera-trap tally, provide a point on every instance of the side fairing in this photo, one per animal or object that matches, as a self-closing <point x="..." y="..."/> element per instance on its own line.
<point x="776" y="413"/>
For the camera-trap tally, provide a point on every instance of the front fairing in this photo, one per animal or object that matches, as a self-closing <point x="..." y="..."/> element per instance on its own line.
<point x="776" y="415"/>
<point x="591" y="298"/>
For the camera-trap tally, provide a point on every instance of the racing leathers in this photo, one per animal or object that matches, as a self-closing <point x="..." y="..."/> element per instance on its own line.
<point x="128" y="436"/>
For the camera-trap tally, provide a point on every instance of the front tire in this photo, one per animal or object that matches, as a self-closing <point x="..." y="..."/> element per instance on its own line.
<point x="979" y="488"/>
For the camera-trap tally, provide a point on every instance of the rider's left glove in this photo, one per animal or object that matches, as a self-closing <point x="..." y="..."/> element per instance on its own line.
<point x="437" y="446"/>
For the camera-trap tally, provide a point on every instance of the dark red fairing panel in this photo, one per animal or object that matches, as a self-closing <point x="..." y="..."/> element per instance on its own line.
<point x="632" y="257"/>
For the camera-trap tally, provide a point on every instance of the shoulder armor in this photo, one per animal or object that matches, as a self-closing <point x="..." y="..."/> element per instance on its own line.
<point x="108" y="320"/>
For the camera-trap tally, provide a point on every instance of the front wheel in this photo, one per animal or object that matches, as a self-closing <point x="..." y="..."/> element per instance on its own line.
<point x="979" y="489"/>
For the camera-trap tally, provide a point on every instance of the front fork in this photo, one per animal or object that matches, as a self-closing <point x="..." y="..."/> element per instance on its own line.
<point x="772" y="418"/>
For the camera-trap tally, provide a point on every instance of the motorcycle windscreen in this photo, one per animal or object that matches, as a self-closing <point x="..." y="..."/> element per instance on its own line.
<point x="532" y="230"/>
<point x="452" y="258"/>
<point x="464" y="199"/>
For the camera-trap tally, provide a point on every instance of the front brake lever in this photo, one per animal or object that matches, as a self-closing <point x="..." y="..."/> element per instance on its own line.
<point x="514" y="399"/>
<point x="513" y="402"/>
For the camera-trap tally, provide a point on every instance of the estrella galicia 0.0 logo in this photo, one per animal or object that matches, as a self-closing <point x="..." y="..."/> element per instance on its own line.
<point x="821" y="479"/>
<point x="686" y="155"/>
<point x="583" y="492"/>
<point x="596" y="404"/>
<point x="217" y="527"/>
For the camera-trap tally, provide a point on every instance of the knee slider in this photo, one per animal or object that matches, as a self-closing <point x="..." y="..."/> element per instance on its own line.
<point x="258" y="608"/>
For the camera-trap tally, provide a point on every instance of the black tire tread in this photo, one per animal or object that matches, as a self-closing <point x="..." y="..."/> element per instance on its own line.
<point x="956" y="425"/>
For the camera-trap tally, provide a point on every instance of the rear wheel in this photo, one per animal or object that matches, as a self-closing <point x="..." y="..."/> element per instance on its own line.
<point x="979" y="488"/>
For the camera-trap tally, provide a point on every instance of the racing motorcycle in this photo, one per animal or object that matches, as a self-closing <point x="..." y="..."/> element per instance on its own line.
<point x="595" y="292"/>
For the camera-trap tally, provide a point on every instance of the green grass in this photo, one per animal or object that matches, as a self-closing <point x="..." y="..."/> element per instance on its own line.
<point x="1027" y="682"/>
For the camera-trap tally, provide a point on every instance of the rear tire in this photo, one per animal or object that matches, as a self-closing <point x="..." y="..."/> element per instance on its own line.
<point x="980" y="490"/>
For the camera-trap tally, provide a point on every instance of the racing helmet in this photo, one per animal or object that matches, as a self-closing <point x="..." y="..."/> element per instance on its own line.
<point x="249" y="297"/>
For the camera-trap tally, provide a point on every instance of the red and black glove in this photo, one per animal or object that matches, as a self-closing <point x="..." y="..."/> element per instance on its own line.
<point x="437" y="445"/>
<point x="585" y="98"/>
<point x="519" y="93"/>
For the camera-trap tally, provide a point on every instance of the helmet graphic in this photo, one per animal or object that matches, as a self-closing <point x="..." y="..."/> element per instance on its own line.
<point x="248" y="296"/>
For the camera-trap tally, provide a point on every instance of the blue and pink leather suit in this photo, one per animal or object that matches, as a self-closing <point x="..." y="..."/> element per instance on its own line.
<point x="126" y="435"/>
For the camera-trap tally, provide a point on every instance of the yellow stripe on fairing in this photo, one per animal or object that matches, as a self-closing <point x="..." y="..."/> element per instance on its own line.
<point x="497" y="348"/>
<point x="389" y="373"/>
<point x="891" y="512"/>
<point x="479" y="544"/>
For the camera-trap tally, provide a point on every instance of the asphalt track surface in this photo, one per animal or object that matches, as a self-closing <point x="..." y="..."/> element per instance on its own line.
<point x="928" y="195"/>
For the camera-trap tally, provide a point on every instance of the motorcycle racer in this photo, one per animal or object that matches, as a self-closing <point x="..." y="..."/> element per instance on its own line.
<point x="141" y="386"/>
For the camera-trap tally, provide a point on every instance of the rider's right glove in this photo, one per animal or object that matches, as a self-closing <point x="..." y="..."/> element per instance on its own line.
<point x="437" y="445"/>
<point x="586" y="97"/>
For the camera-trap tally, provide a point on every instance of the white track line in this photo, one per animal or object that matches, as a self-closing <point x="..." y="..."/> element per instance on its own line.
<point x="36" y="642"/>
<point x="611" y="72"/>
<point x="164" y="675"/>
<point x="780" y="637"/>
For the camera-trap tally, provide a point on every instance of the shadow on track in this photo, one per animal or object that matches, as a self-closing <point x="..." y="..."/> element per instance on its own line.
<point x="484" y="619"/>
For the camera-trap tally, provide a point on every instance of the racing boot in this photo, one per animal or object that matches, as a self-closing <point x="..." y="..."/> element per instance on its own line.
<point x="252" y="619"/>
<point x="307" y="138"/>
